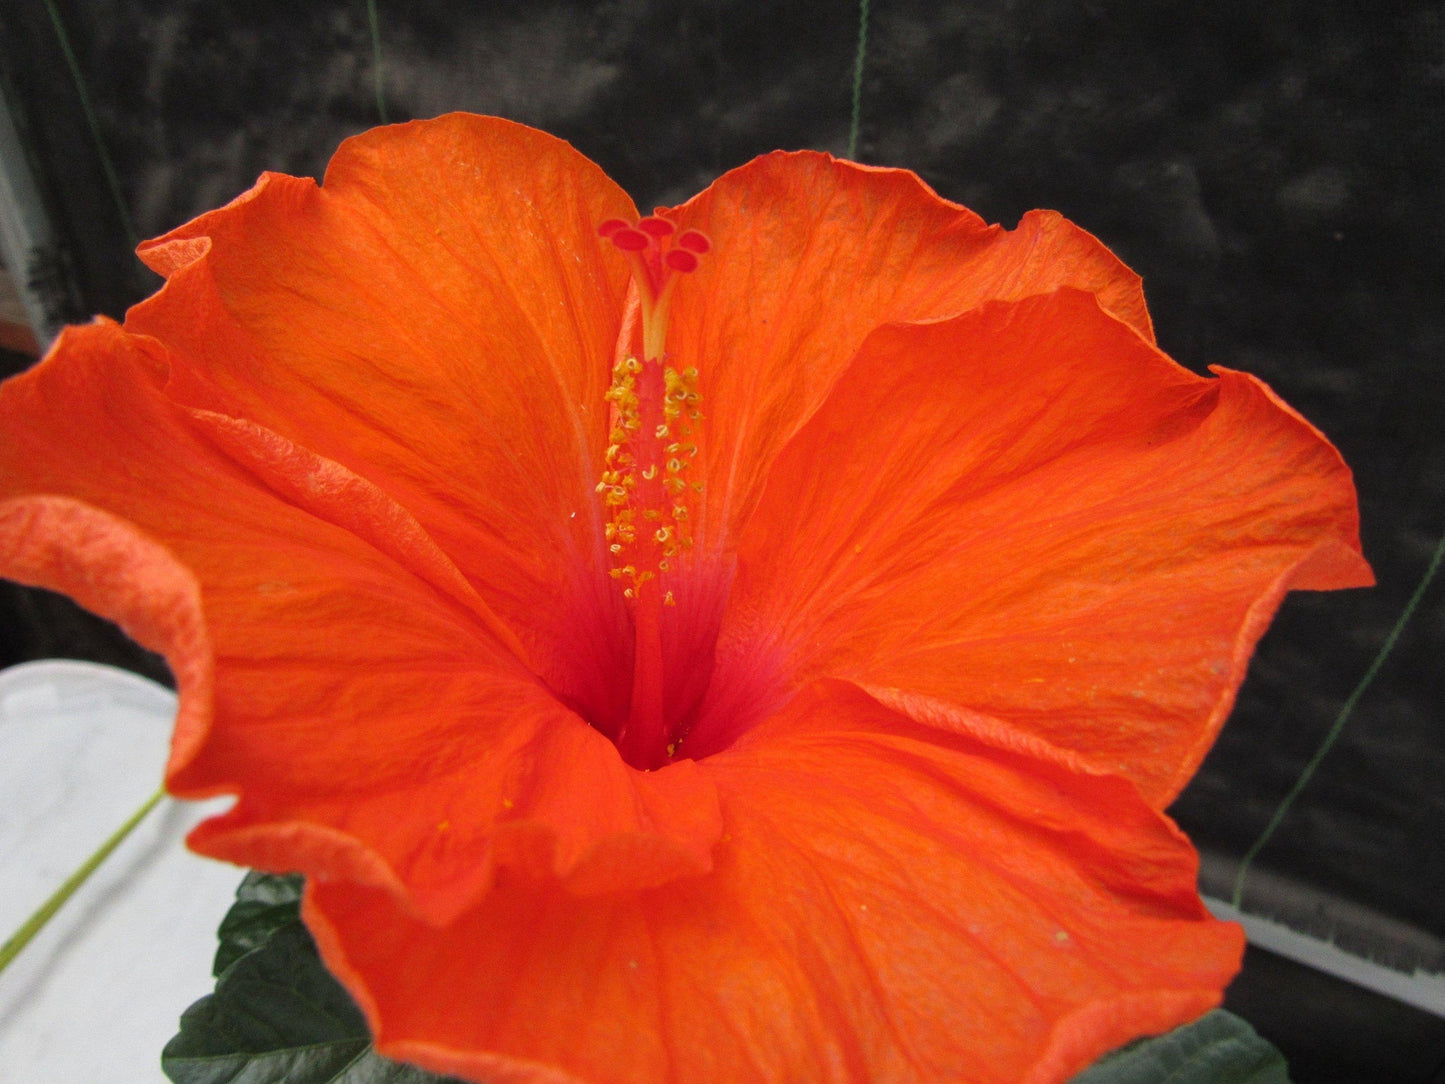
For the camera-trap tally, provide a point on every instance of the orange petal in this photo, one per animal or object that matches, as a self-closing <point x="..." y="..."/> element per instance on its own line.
<point x="1030" y="512"/>
<point x="123" y="574"/>
<point x="412" y="750"/>
<point x="889" y="903"/>
<point x="439" y="318"/>
<point x="810" y="255"/>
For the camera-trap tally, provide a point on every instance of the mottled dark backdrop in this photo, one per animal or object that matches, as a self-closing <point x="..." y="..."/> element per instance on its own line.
<point x="1272" y="169"/>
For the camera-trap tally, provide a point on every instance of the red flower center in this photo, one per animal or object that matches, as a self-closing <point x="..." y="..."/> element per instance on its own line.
<point x="644" y="486"/>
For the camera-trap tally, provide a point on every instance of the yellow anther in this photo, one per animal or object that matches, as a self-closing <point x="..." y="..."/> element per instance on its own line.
<point x="668" y="600"/>
<point x="646" y="391"/>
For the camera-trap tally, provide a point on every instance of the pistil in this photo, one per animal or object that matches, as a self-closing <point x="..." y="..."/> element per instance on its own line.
<point x="643" y="487"/>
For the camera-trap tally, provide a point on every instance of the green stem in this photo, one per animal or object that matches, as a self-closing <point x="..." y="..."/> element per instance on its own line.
<point x="858" y="78"/>
<point x="375" y="21"/>
<point x="1339" y="724"/>
<point x="36" y="922"/>
<point x="112" y="179"/>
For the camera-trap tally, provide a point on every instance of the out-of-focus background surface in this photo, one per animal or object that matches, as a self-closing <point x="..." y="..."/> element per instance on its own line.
<point x="95" y="996"/>
<point x="1274" y="171"/>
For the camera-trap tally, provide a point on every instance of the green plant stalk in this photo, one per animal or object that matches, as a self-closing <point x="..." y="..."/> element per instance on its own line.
<point x="1339" y="725"/>
<point x="36" y="922"/>
<point x="112" y="179"/>
<point x="375" y="21"/>
<point x="858" y="78"/>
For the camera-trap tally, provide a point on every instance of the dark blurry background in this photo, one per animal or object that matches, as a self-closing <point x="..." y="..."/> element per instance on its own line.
<point x="1272" y="169"/>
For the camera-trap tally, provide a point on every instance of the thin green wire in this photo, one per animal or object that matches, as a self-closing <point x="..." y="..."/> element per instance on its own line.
<point x="1339" y="724"/>
<point x="112" y="178"/>
<point x="36" y="922"/>
<point x="376" y="60"/>
<point x="858" y="78"/>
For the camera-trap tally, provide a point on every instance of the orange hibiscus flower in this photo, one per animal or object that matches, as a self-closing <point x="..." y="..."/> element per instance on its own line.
<point x="756" y="641"/>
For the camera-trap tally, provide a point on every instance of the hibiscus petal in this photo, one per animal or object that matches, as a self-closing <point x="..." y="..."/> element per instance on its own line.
<point x="413" y="751"/>
<point x="131" y="578"/>
<point x="889" y="902"/>
<point x="439" y="318"/>
<point x="810" y="255"/>
<point x="1031" y="512"/>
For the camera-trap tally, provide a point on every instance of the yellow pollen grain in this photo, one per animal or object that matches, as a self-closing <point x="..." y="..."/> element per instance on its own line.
<point x="667" y="461"/>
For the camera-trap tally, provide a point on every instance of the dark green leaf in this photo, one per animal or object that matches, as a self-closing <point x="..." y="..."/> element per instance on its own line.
<point x="264" y="903"/>
<point x="277" y="1016"/>
<point x="1218" y="1048"/>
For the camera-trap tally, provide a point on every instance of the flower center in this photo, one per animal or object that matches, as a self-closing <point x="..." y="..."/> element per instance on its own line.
<point x="644" y="485"/>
